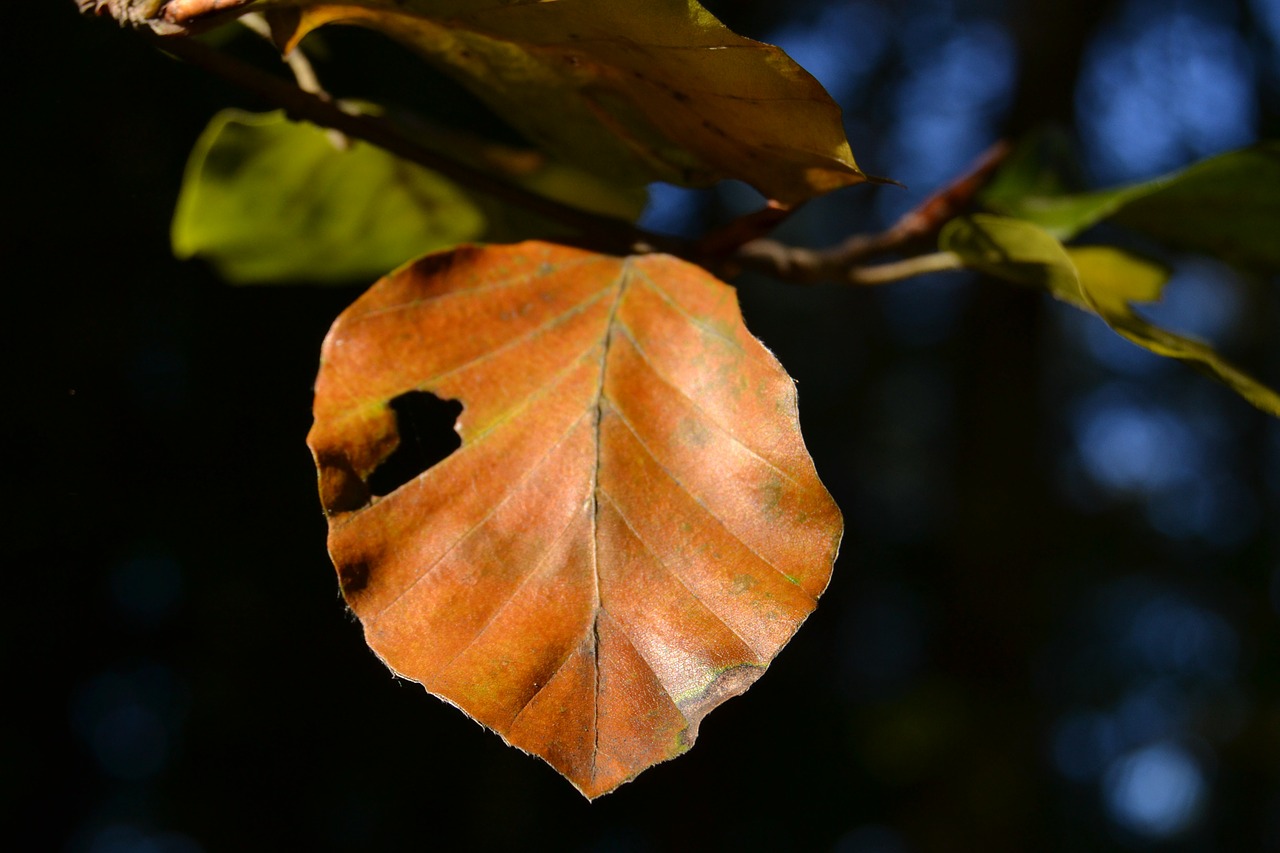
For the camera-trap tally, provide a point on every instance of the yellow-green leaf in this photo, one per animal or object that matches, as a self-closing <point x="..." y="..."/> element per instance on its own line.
<point x="1227" y="206"/>
<point x="1102" y="280"/>
<point x="1013" y="250"/>
<point x="1114" y="278"/>
<point x="269" y="200"/>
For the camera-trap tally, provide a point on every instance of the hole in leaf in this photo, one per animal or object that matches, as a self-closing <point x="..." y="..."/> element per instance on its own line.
<point x="425" y="424"/>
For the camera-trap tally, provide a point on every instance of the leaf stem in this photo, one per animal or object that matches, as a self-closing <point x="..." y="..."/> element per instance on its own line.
<point x="907" y="268"/>
<point x="297" y="61"/>
<point x="303" y="71"/>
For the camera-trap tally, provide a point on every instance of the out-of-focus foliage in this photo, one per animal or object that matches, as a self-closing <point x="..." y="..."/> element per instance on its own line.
<point x="1102" y="280"/>
<point x="1228" y="206"/>
<point x="268" y="200"/>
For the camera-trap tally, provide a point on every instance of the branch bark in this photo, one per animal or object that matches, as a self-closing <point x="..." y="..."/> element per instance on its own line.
<point x="912" y="234"/>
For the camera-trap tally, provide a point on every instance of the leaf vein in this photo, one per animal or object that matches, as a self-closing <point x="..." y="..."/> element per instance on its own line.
<point x="511" y="596"/>
<point x="622" y="632"/>
<point x="691" y="319"/>
<point x="546" y="326"/>
<point x="598" y="411"/>
<point x="536" y="693"/>
<point x="694" y="404"/>
<point x="679" y="579"/>
<point x="698" y="500"/>
<point x="511" y="491"/>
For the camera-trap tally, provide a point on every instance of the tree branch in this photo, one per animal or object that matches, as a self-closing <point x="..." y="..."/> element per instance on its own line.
<point x="603" y="231"/>
<point x="904" y="269"/>
<point x="912" y="234"/>
<point x="303" y="72"/>
<point x="844" y="262"/>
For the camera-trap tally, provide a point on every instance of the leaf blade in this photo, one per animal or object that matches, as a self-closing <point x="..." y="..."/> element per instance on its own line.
<point x="661" y="91"/>
<point x="1101" y="280"/>
<point x="578" y="576"/>
<point x="1227" y="206"/>
<point x="270" y="200"/>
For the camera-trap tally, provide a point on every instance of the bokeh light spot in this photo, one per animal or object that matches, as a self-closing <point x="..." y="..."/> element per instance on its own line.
<point x="1164" y="84"/>
<point x="1129" y="448"/>
<point x="1155" y="791"/>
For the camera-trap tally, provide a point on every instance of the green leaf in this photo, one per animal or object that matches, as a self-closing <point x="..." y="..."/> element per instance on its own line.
<point x="1101" y="280"/>
<point x="1041" y="164"/>
<point x="1228" y="206"/>
<point x="1114" y="279"/>
<point x="638" y="92"/>
<point x="1013" y="250"/>
<point x="270" y="200"/>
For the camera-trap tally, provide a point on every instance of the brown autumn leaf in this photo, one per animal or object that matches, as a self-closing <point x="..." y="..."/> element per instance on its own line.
<point x="636" y="92"/>
<point x="631" y="529"/>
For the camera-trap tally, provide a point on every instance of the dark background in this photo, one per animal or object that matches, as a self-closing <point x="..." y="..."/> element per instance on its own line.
<point x="1053" y="625"/>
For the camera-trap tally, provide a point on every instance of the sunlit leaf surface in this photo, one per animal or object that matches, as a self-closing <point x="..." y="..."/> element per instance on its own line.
<point x="631" y="529"/>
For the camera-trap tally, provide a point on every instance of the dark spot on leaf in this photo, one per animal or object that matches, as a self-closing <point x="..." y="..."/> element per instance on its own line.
<point x="438" y="264"/>
<point x="427" y="437"/>
<point x="353" y="577"/>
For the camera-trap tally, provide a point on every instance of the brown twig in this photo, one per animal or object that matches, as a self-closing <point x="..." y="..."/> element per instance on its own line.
<point x="727" y="239"/>
<point x="955" y="198"/>
<point x="809" y="266"/>
<point x="912" y="233"/>
<point x="303" y="72"/>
